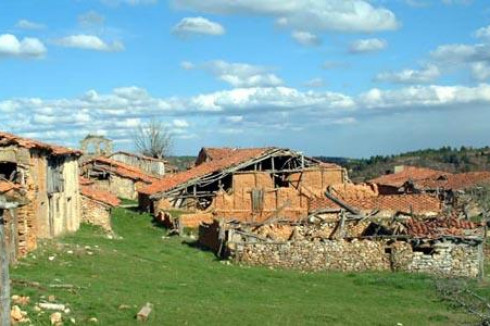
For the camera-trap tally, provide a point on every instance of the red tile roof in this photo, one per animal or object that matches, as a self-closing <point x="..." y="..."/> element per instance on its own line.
<point x="100" y="195"/>
<point x="8" y="139"/>
<point x="438" y="227"/>
<point x="408" y="173"/>
<point x="218" y="153"/>
<point x="458" y="181"/>
<point x="419" y="204"/>
<point x="121" y="169"/>
<point x="237" y="157"/>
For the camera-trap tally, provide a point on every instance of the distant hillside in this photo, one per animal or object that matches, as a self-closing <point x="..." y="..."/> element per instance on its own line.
<point x="449" y="159"/>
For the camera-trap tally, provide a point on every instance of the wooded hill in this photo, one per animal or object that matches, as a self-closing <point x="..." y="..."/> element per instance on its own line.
<point x="463" y="159"/>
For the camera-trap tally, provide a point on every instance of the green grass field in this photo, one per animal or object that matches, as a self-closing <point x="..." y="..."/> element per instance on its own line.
<point x="188" y="286"/>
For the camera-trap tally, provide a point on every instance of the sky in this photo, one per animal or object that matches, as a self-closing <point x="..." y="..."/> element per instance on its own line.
<point x="350" y="78"/>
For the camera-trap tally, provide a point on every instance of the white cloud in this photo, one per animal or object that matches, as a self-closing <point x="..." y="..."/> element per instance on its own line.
<point x="234" y="119"/>
<point x="240" y="74"/>
<point x="28" y="47"/>
<point x="132" y="93"/>
<point x="475" y="57"/>
<point x="315" y="82"/>
<point x="197" y="25"/>
<point x="89" y="42"/>
<point x="247" y="109"/>
<point x="187" y="65"/>
<point x="335" y="15"/>
<point x="483" y="33"/>
<point x="306" y="38"/>
<point x="26" y="24"/>
<point x="427" y="74"/>
<point x="91" y="18"/>
<point x="425" y="96"/>
<point x="480" y="70"/>
<point x="180" y="123"/>
<point x="367" y="45"/>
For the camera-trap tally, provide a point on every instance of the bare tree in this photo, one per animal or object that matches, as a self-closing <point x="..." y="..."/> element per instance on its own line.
<point x="153" y="139"/>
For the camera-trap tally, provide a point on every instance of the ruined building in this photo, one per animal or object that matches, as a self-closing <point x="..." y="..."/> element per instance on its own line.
<point x="253" y="184"/>
<point x="94" y="145"/>
<point x="443" y="245"/>
<point x="46" y="177"/>
<point x="97" y="204"/>
<point x="118" y="178"/>
<point x="149" y="165"/>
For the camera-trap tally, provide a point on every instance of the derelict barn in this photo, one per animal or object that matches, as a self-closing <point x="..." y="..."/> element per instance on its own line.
<point x="46" y="179"/>
<point x="253" y="184"/>
<point x="120" y="179"/>
<point x="442" y="245"/>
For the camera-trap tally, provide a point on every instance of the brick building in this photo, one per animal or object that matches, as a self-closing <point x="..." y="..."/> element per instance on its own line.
<point x="46" y="177"/>
<point x="253" y="184"/>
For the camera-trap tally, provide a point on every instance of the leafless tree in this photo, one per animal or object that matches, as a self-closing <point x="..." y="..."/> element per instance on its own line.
<point x="153" y="139"/>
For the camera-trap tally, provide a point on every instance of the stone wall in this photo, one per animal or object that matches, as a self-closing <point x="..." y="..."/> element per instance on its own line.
<point x="446" y="258"/>
<point x="96" y="213"/>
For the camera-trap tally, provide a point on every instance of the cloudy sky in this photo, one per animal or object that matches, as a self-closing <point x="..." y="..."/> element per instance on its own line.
<point x="332" y="77"/>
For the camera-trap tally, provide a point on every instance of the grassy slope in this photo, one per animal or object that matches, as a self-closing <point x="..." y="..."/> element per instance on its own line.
<point x="188" y="286"/>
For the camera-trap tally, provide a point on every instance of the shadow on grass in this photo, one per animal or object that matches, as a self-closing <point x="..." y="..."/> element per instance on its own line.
<point x="194" y="244"/>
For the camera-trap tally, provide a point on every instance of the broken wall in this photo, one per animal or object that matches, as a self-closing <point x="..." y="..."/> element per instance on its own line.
<point x="448" y="259"/>
<point x="96" y="213"/>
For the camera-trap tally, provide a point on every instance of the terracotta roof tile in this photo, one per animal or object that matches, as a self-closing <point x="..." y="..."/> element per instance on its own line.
<point x="121" y="169"/>
<point x="408" y="173"/>
<point x="218" y="153"/>
<point x="458" y="181"/>
<point x="7" y="139"/>
<point x="438" y="227"/>
<point x="100" y="195"/>
<point x="170" y="182"/>
<point x="419" y="204"/>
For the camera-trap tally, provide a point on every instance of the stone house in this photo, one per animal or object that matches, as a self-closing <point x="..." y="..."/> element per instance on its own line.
<point x="251" y="184"/>
<point x="149" y="165"/>
<point x="118" y="178"/>
<point x="97" y="204"/>
<point x="47" y="176"/>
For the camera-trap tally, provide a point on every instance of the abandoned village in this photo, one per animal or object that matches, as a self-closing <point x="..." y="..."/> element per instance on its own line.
<point x="254" y="206"/>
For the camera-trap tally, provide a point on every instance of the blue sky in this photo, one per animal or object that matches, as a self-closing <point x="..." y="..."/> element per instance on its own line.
<point x="329" y="77"/>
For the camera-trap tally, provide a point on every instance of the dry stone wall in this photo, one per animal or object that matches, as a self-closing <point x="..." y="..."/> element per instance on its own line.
<point x="96" y="213"/>
<point x="445" y="258"/>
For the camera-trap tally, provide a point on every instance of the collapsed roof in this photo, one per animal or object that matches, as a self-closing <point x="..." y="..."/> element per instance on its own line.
<point x="105" y="165"/>
<point x="234" y="160"/>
